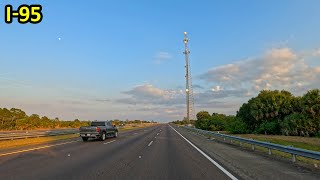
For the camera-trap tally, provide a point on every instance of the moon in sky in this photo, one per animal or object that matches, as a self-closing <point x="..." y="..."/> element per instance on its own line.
<point x="59" y="39"/>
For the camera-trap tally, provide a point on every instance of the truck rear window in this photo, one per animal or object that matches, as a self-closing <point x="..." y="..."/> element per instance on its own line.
<point x="97" y="123"/>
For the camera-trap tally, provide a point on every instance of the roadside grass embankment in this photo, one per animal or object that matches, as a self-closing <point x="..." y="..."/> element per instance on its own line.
<point x="308" y="143"/>
<point x="34" y="141"/>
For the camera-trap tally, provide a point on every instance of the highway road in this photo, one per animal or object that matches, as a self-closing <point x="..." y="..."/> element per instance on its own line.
<point x="157" y="152"/>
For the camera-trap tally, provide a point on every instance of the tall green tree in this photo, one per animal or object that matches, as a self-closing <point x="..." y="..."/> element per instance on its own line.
<point x="203" y="115"/>
<point x="264" y="113"/>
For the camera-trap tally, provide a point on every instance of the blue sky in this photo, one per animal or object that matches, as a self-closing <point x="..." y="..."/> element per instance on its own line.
<point x="123" y="59"/>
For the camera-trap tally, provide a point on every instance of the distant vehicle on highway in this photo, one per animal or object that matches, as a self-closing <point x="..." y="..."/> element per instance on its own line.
<point x="98" y="130"/>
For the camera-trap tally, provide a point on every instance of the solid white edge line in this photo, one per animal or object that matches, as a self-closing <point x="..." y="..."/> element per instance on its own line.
<point x="36" y="148"/>
<point x="209" y="158"/>
<point x="109" y="142"/>
<point x="150" y="143"/>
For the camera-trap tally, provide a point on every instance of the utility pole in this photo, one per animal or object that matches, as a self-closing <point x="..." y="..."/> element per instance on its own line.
<point x="189" y="91"/>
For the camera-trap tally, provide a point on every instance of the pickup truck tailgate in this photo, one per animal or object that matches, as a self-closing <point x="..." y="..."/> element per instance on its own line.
<point x="87" y="129"/>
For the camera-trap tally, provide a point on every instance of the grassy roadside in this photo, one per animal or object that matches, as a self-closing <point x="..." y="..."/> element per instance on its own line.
<point x="310" y="143"/>
<point x="33" y="141"/>
<point x="41" y="140"/>
<point x="294" y="141"/>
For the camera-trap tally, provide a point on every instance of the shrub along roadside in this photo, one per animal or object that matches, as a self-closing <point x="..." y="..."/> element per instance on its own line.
<point x="281" y="113"/>
<point x="270" y="113"/>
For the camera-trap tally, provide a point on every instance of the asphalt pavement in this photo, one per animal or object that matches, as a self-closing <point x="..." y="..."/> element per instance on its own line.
<point x="156" y="152"/>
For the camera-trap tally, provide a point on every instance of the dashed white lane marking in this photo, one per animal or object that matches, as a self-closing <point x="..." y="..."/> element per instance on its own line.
<point x="37" y="148"/>
<point x="109" y="142"/>
<point x="150" y="143"/>
<point x="206" y="156"/>
<point x="135" y="133"/>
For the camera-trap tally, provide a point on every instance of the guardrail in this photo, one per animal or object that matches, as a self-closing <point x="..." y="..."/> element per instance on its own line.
<point x="270" y="146"/>
<point x="34" y="134"/>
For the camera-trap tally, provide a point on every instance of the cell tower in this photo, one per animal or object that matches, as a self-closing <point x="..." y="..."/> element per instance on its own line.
<point x="189" y="89"/>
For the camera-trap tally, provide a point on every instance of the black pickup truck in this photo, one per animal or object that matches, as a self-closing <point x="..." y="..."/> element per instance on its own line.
<point x="98" y="130"/>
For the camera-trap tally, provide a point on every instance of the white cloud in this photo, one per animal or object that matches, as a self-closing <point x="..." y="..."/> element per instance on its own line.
<point x="160" y="57"/>
<point x="216" y="89"/>
<point x="148" y="99"/>
<point x="276" y="69"/>
<point x="148" y="94"/>
<point x="230" y="85"/>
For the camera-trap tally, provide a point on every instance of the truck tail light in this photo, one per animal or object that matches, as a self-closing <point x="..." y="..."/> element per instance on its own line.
<point x="98" y="129"/>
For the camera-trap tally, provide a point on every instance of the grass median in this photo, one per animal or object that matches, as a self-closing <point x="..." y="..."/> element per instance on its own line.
<point x="33" y="141"/>
<point x="135" y="126"/>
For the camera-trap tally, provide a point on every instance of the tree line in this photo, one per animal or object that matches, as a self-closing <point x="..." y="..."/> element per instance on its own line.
<point x="270" y="112"/>
<point x="118" y="122"/>
<point x="16" y="119"/>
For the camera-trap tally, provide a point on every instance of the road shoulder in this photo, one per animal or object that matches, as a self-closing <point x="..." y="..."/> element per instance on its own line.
<point x="248" y="165"/>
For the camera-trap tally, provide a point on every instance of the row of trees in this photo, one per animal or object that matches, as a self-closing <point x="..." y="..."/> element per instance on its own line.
<point x="280" y="112"/>
<point x="271" y="112"/>
<point x="16" y="119"/>
<point x="215" y="122"/>
<point x="183" y="122"/>
<point x="118" y="122"/>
